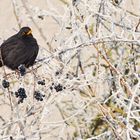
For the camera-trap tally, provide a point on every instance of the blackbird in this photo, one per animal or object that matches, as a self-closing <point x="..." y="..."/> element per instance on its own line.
<point x="19" y="49"/>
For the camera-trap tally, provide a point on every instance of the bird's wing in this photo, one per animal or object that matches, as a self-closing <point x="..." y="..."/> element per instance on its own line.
<point x="11" y="40"/>
<point x="9" y="45"/>
<point x="13" y="52"/>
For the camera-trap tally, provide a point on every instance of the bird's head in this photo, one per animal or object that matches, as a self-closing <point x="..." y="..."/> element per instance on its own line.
<point x="25" y="32"/>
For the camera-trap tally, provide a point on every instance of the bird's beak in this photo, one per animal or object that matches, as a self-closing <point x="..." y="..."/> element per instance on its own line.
<point x="30" y="32"/>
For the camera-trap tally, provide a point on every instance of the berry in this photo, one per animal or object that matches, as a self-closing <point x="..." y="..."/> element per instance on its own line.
<point x="16" y="93"/>
<point x="21" y="94"/>
<point x="41" y="82"/>
<point x="22" y="70"/>
<point x="38" y="96"/>
<point x="5" y="84"/>
<point x="41" y="17"/>
<point x="43" y="95"/>
<point x="58" y="87"/>
<point x="51" y="88"/>
<point x="11" y="138"/>
<point x="135" y="81"/>
<point x="57" y="73"/>
<point x="126" y="71"/>
<point x="20" y="101"/>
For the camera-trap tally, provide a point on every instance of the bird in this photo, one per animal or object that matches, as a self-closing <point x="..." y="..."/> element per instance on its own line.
<point x="19" y="49"/>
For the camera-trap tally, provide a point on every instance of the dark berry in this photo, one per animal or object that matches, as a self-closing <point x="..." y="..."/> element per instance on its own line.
<point x="41" y="17"/>
<point x="38" y="96"/>
<point x="16" y="93"/>
<point x="22" y="70"/>
<point x="126" y="71"/>
<point x="21" y="94"/>
<point x="67" y="76"/>
<point x="21" y="90"/>
<point x="11" y="138"/>
<point x="51" y="88"/>
<point x="116" y="1"/>
<point x="57" y="73"/>
<point x="20" y="101"/>
<point x="115" y="65"/>
<point x="5" y="84"/>
<point x="68" y="28"/>
<point x="135" y="81"/>
<point x="41" y="82"/>
<point x="58" y="87"/>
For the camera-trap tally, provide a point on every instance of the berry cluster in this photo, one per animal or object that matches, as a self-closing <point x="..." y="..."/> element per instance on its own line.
<point x="5" y="83"/>
<point x="38" y="96"/>
<point x="21" y="94"/>
<point x="57" y="87"/>
<point x="22" y="70"/>
<point x="41" y="82"/>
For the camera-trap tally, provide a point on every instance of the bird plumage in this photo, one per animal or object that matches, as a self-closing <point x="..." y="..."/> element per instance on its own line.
<point x="21" y="48"/>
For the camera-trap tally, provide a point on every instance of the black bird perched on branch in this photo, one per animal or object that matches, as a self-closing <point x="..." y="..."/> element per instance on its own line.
<point x="21" y="48"/>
